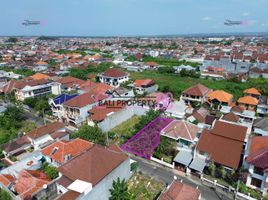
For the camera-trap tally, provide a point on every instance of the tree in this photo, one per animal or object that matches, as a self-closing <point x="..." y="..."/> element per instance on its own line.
<point x="4" y="195"/>
<point x="93" y="134"/>
<point x="119" y="190"/>
<point x="212" y="169"/>
<point x="12" y="40"/>
<point x="50" y="171"/>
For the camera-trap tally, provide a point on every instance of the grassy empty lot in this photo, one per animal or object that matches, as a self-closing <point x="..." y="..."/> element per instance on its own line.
<point x="126" y="128"/>
<point x="145" y="187"/>
<point x="177" y="84"/>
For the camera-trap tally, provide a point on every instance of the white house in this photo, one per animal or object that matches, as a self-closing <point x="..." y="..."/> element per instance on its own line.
<point x="113" y="77"/>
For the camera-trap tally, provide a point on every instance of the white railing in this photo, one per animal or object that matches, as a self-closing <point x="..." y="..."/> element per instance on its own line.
<point x="163" y="162"/>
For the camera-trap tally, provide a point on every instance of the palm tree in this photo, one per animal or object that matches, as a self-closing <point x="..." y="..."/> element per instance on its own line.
<point x="119" y="190"/>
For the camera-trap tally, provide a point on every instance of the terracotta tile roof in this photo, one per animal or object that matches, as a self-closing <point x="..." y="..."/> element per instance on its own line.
<point x="258" y="153"/>
<point x="197" y="90"/>
<point x="115" y="73"/>
<point x="15" y="144"/>
<point x="143" y="82"/>
<point x="253" y="91"/>
<point x="237" y="109"/>
<point x="220" y="95"/>
<point x="229" y="130"/>
<point x="99" y="113"/>
<point x="248" y="100"/>
<point x="70" y="81"/>
<point x="42" y="63"/>
<point x="93" y="165"/>
<point x="200" y="114"/>
<point x="231" y="117"/>
<point x="46" y="129"/>
<point x="98" y="88"/>
<point x="6" y="179"/>
<point x="39" y="76"/>
<point x="69" y="195"/>
<point x="181" y="129"/>
<point x="21" y="84"/>
<point x="221" y="150"/>
<point x="84" y="100"/>
<point x="180" y="191"/>
<point x="30" y="181"/>
<point x="64" y="148"/>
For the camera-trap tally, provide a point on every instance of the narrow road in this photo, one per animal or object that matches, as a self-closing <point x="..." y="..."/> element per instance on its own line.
<point x="166" y="175"/>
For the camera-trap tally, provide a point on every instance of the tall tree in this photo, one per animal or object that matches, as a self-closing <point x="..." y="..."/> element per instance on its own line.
<point x="119" y="190"/>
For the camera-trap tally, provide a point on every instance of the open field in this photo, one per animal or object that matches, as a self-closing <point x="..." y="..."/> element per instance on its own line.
<point x="177" y="84"/>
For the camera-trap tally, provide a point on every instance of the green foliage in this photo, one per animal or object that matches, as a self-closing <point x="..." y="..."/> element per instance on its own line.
<point x="50" y="171"/>
<point x="23" y="72"/>
<point x="134" y="166"/>
<point x="189" y="73"/>
<point x="83" y="73"/>
<point x="12" y="40"/>
<point x="93" y="134"/>
<point x="4" y="195"/>
<point x="253" y="193"/>
<point x="119" y="190"/>
<point x="212" y="169"/>
<point x="39" y="104"/>
<point x="10" y="122"/>
<point x="146" y="119"/>
<point x="168" y="70"/>
<point x="166" y="149"/>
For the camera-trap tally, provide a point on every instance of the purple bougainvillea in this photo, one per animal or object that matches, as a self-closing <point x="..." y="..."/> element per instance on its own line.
<point x="147" y="139"/>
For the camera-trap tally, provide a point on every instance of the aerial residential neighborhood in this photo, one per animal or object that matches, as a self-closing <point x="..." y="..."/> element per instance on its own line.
<point x="134" y="100"/>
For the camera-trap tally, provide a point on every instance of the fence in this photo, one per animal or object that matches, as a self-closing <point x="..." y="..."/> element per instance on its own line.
<point x="225" y="189"/>
<point x="162" y="162"/>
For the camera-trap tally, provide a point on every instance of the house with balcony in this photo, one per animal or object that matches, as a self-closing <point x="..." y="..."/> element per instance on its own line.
<point x="35" y="88"/>
<point x="197" y="93"/>
<point x="219" y="98"/>
<point x="75" y="110"/>
<point x="113" y="77"/>
<point x="56" y="104"/>
<point x="257" y="164"/>
<point x="248" y="102"/>
<point x="90" y="175"/>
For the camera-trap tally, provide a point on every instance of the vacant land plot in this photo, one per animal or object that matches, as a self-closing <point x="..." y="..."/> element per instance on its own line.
<point x="145" y="187"/>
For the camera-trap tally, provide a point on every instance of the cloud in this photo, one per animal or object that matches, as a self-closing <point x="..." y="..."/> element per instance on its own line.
<point x="245" y="14"/>
<point x="206" y="18"/>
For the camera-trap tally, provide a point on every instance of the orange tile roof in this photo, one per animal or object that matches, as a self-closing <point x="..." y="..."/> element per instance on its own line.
<point x="41" y="63"/>
<point x="180" y="191"/>
<point x="39" y="76"/>
<point x="220" y="95"/>
<point x="30" y="181"/>
<point x="143" y="82"/>
<point x="248" y="100"/>
<point x="73" y="148"/>
<point x="253" y="91"/>
<point x="6" y="179"/>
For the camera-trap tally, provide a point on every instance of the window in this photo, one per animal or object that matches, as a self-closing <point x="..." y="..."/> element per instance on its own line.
<point x="256" y="182"/>
<point x="258" y="170"/>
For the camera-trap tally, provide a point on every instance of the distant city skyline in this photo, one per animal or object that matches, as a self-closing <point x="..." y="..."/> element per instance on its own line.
<point x="131" y="17"/>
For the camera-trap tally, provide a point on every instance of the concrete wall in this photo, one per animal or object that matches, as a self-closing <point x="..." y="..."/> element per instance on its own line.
<point x="119" y="117"/>
<point x="101" y="190"/>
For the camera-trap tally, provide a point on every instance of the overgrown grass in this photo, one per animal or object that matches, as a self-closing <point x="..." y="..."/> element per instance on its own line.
<point x="177" y="84"/>
<point x="126" y="128"/>
<point x="145" y="187"/>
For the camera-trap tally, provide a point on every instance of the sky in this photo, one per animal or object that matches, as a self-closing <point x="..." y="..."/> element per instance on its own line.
<point x="131" y="17"/>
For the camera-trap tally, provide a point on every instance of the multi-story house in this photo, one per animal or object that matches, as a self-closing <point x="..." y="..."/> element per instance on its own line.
<point x="35" y="88"/>
<point x="197" y="93"/>
<point x="113" y="77"/>
<point x="257" y="164"/>
<point x="91" y="174"/>
<point x="75" y="111"/>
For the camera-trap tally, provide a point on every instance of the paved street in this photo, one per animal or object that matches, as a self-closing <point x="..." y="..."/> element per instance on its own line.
<point x="167" y="175"/>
